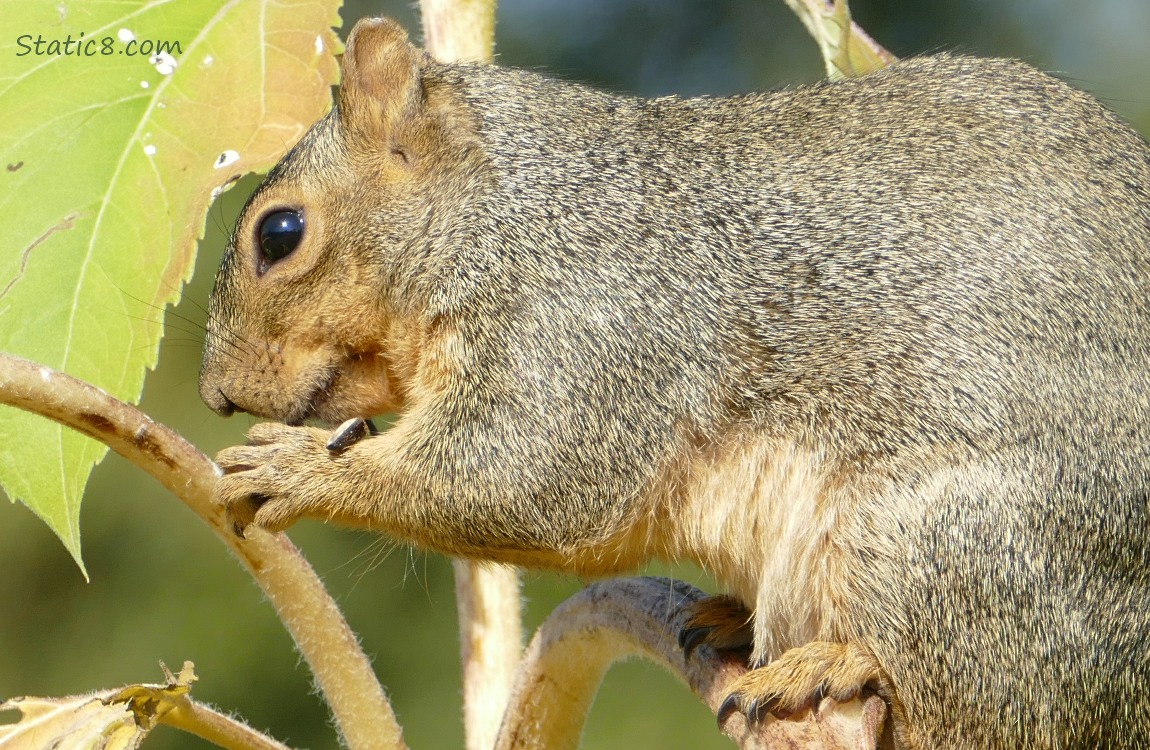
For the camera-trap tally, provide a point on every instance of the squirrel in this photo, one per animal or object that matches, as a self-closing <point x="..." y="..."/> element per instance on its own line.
<point x="875" y="353"/>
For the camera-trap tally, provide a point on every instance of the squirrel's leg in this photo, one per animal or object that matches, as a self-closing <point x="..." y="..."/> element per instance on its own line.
<point x="437" y="490"/>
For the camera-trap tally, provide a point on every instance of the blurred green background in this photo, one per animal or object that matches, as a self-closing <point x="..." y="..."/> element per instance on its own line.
<point x="163" y="588"/>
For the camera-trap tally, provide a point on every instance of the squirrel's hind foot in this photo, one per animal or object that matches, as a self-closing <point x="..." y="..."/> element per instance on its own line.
<point x="801" y="678"/>
<point x="720" y="622"/>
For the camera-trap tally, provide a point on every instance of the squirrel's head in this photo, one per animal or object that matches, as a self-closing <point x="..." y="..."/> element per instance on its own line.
<point x="323" y="267"/>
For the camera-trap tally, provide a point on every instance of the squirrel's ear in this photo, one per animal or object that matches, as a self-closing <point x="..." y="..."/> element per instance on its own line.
<point x="381" y="78"/>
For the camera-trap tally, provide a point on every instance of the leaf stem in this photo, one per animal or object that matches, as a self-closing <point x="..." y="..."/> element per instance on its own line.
<point x="218" y="728"/>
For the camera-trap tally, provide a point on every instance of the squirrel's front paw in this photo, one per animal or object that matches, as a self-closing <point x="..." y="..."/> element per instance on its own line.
<point x="275" y="479"/>
<point x="802" y="677"/>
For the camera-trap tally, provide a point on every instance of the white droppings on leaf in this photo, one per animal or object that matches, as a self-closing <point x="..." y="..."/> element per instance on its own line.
<point x="126" y="35"/>
<point x="150" y="150"/>
<point x="144" y="84"/>
<point x="165" y="63"/>
<point x="226" y="158"/>
<point x="208" y="60"/>
<point x="319" y="45"/>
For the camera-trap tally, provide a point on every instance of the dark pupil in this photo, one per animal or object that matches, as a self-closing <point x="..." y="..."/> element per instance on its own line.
<point x="280" y="234"/>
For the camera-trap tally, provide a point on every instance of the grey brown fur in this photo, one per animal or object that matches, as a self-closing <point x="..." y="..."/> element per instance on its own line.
<point x="934" y="279"/>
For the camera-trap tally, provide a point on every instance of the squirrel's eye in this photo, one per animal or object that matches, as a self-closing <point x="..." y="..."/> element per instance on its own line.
<point x="280" y="234"/>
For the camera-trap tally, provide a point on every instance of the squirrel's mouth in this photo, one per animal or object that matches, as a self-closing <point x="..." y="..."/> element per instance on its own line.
<point x="358" y="384"/>
<point x="315" y="405"/>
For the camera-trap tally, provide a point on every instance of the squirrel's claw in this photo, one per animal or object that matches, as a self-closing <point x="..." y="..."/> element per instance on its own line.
<point x="242" y="514"/>
<point x="720" y="622"/>
<point x="801" y="678"/>
<point x="691" y="638"/>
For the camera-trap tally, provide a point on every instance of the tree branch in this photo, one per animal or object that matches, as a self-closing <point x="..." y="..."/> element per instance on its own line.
<point x="341" y="669"/>
<point x="620" y="618"/>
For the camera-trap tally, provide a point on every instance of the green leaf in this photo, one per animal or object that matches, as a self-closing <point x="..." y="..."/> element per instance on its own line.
<point x="108" y="163"/>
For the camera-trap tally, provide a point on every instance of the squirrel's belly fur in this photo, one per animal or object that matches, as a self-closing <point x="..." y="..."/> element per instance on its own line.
<point x="763" y="515"/>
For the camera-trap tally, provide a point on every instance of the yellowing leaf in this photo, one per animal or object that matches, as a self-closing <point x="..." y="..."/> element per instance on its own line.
<point x="109" y="154"/>
<point x="107" y="720"/>
<point x="80" y="723"/>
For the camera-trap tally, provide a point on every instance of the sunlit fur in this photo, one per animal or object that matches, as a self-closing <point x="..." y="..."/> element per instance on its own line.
<point x="876" y="353"/>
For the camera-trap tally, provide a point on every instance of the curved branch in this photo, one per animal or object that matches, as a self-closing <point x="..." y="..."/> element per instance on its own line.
<point x="341" y="669"/>
<point x="615" y="619"/>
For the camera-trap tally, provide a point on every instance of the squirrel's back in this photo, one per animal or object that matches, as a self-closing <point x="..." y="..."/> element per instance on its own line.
<point x="961" y="246"/>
